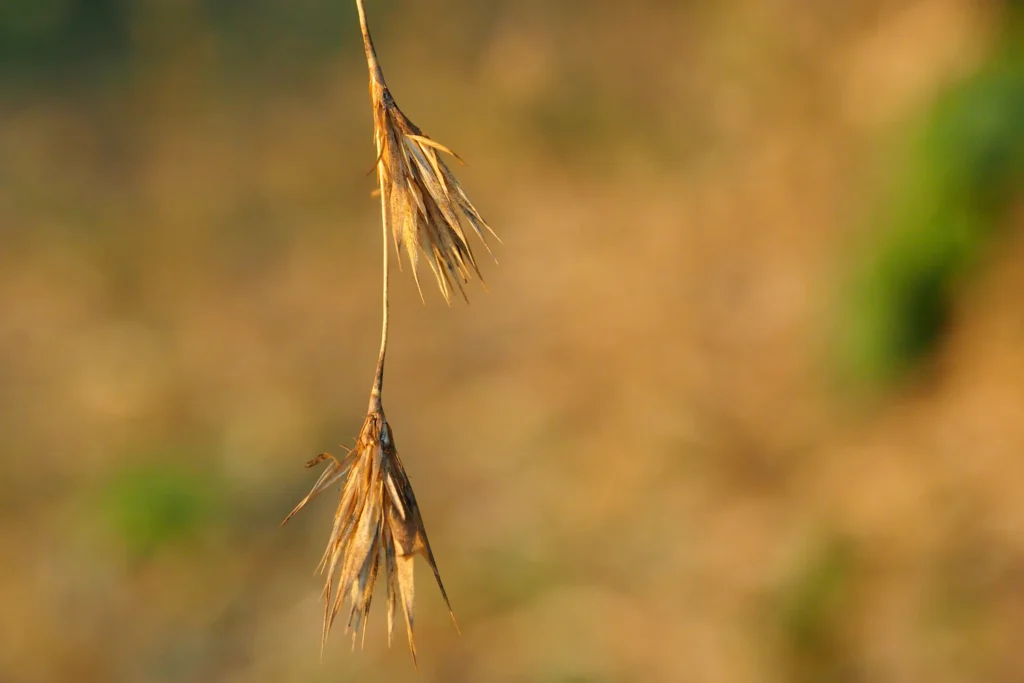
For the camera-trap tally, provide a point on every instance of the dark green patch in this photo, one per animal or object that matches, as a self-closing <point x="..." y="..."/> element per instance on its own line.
<point x="811" y="610"/>
<point x="267" y="42"/>
<point x="963" y="168"/>
<point x="44" y="39"/>
<point x="153" y="505"/>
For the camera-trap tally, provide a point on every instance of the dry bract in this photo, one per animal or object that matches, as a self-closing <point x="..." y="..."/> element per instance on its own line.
<point x="423" y="199"/>
<point x="376" y="521"/>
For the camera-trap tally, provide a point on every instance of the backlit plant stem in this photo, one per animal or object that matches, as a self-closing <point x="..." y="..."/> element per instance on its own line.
<point x="376" y="77"/>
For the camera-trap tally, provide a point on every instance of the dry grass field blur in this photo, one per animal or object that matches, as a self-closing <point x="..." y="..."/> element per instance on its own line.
<point x="744" y="401"/>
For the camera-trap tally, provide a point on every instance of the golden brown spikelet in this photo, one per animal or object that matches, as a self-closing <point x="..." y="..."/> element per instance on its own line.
<point x="423" y="201"/>
<point x="377" y="521"/>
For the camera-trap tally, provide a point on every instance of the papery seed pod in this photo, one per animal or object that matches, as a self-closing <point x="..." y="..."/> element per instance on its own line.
<point x="424" y="204"/>
<point x="377" y="520"/>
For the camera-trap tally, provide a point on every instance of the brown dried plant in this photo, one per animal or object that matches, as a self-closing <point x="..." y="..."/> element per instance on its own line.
<point x="377" y="520"/>
<point x="421" y="199"/>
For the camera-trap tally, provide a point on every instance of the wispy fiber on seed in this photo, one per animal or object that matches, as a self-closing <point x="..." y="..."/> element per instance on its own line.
<point x="377" y="521"/>
<point x="424" y="203"/>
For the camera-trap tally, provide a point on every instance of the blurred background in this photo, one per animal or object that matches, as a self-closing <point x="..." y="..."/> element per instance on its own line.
<point x="744" y="402"/>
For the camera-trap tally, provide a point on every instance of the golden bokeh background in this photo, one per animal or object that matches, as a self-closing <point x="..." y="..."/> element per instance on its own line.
<point x="744" y="400"/>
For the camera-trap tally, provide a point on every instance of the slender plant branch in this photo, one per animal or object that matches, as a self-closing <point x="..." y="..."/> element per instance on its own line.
<point x="377" y="520"/>
<point x="378" y="379"/>
<point x="377" y="77"/>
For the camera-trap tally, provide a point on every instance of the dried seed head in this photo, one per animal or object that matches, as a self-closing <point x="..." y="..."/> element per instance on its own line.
<point x="377" y="520"/>
<point x="424" y="204"/>
<point x="424" y="201"/>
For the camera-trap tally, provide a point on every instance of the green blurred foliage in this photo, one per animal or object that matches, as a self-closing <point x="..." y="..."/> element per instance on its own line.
<point x="254" y="36"/>
<point x="152" y="505"/>
<point x="47" y="41"/>
<point x="60" y="34"/>
<point x="964" y="165"/>
<point x="186" y="260"/>
<point x="812" y="609"/>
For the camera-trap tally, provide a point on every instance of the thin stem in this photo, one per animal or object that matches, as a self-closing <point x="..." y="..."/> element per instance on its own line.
<point x="378" y="379"/>
<point x="377" y="82"/>
<point x="376" y="75"/>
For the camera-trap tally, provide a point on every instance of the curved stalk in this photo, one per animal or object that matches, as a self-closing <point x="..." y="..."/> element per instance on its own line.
<point x="377" y="520"/>
<point x="378" y="379"/>
<point x="377" y="81"/>
<point x="376" y="75"/>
